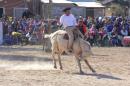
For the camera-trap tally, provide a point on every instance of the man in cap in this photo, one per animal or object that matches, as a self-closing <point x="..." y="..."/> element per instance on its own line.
<point x="68" y="21"/>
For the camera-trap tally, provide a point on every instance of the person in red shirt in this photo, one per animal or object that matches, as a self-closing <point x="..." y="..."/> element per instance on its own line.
<point x="82" y="27"/>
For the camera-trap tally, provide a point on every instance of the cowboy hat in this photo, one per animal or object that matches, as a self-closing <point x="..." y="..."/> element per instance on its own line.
<point x="68" y="8"/>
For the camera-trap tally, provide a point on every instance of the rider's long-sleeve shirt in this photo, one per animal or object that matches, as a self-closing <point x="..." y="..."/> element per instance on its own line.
<point x="68" y="20"/>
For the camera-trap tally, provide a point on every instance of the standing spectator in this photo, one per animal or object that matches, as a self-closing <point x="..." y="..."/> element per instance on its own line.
<point x="89" y="22"/>
<point x="93" y="35"/>
<point x="108" y="27"/>
<point x="85" y="21"/>
<point x="14" y="25"/>
<point x="24" y="24"/>
<point x="27" y="14"/>
<point x="82" y="27"/>
<point x="101" y="34"/>
<point x="114" y="38"/>
<point x="5" y="27"/>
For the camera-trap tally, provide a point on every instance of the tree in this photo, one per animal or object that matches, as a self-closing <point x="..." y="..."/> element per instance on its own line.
<point x="117" y="9"/>
<point x="123" y="2"/>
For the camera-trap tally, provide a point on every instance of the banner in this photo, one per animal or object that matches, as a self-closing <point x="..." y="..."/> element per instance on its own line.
<point x="1" y="33"/>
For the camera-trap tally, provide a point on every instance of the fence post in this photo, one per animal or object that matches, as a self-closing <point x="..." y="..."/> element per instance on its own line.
<point x="49" y="15"/>
<point x="1" y="33"/>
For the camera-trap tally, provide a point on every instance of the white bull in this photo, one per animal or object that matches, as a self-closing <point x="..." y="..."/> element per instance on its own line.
<point x="81" y="48"/>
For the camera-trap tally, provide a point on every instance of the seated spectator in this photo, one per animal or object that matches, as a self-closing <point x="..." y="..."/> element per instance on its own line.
<point x="124" y="32"/>
<point x="8" y="39"/>
<point x="129" y="27"/>
<point x="129" y="32"/>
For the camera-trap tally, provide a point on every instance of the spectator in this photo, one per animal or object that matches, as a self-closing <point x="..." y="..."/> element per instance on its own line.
<point x="124" y="32"/>
<point x="27" y="14"/>
<point x="82" y="27"/>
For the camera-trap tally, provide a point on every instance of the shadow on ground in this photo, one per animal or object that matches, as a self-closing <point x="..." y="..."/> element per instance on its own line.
<point x="23" y="58"/>
<point x="100" y="76"/>
<point x="18" y="49"/>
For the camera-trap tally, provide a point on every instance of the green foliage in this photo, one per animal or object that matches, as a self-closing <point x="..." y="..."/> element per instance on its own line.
<point x="117" y="9"/>
<point x="122" y="2"/>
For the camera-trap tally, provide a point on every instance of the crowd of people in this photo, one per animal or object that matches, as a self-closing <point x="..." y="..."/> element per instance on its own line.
<point x="107" y="31"/>
<point x="100" y="31"/>
<point x="14" y="29"/>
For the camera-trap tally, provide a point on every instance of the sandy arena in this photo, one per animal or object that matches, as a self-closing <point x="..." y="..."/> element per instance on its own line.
<point x="30" y="66"/>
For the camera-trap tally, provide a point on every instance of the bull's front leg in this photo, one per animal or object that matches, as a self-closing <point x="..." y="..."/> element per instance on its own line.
<point x="59" y="58"/>
<point x="79" y="65"/>
<point x="87" y="63"/>
<point x="54" y="60"/>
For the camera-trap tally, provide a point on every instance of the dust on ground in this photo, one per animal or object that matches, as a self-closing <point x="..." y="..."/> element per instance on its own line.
<point x="30" y="66"/>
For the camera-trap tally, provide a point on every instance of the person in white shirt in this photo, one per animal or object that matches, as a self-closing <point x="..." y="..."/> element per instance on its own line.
<point x="68" y="21"/>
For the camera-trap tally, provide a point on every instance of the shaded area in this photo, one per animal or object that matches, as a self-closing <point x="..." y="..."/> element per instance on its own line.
<point x="23" y="58"/>
<point x="101" y="76"/>
<point x="19" y="49"/>
<point x="99" y="55"/>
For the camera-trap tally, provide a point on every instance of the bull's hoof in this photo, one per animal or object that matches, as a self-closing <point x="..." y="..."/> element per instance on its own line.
<point x="81" y="72"/>
<point x="55" y="67"/>
<point x="93" y="71"/>
<point x="61" y="68"/>
<point x="70" y="51"/>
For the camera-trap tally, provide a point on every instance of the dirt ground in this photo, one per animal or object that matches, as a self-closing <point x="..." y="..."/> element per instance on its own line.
<point x="30" y="66"/>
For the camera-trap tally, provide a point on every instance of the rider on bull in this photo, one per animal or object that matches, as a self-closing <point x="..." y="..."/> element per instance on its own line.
<point x="69" y="23"/>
